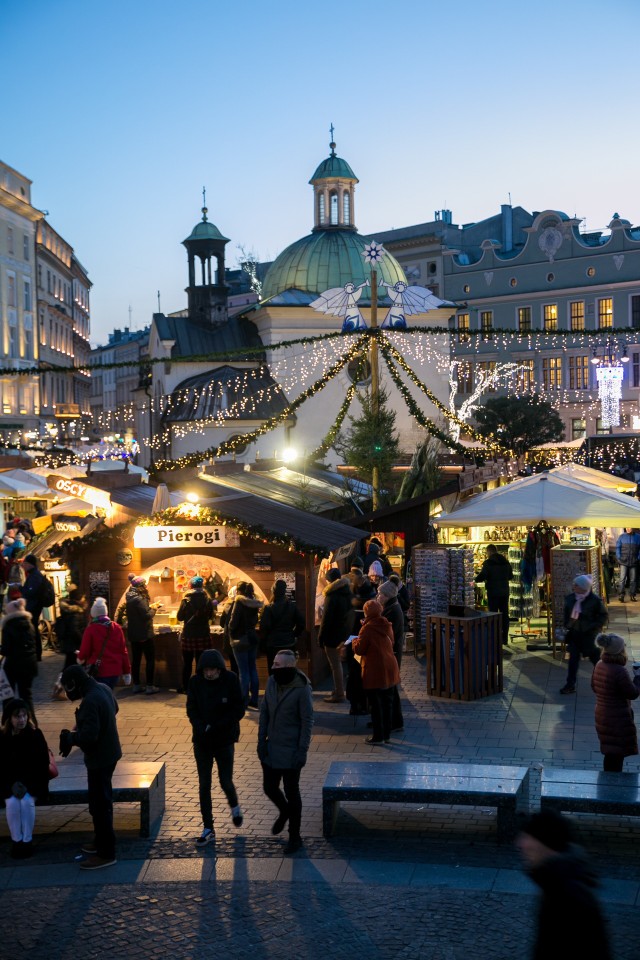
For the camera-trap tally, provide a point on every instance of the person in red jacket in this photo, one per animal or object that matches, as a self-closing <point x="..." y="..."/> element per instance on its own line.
<point x="380" y="672"/>
<point x="614" y="689"/>
<point x="103" y="644"/>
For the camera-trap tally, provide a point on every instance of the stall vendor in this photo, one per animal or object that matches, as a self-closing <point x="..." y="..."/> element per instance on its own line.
<point x="214" y="585"/>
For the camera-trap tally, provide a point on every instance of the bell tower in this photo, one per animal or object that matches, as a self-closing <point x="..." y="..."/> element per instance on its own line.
<point x="207" y="292"/>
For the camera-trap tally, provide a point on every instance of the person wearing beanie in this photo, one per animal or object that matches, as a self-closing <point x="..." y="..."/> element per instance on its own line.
<point x="96" y="734"/>
<point x="38" y="592"/>
<point x="103" y="648"/>
<point x="380" y="673"/>
<point x="374" y="554"/>
<point x="627" y="555"/>
<point x="195" y="612"/>
<point x="495" y="573"/>
<point x="614" y="690"/>
<point x="392" y="611"/>
<point x="24" y="774"/>
<point x="570" y="921"/>
<point x="215" y="707"/>
<point x="284" y="736"/>
<point x="584" y="617"/>
<point x="18" y="647"/>
<point x="335" y="625"/>
<point x="139" y="612"/>
<point x="281" y="623"/>
<point x="375" y="572"/>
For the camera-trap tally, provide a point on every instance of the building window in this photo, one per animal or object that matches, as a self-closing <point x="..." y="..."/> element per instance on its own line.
<point x="13" y="342"/>
<point x="601" y="430"/>
<point x="27" y="295"/>
<point x="591" y="271"/>
<point x="346" y="207"/>
<point x="11" y="290"/>
<point x="321" y="209"/>
<point x="10" y="248"/>
<point x="463" y="328"/>
<point x="635" y="312"/>
<point x="578" y="429"/>
<point x="636" y="370"/>
<point x="333" y="208"/>
<point x="28" y="344"/>
<point x="25" y="246"/>
<point x="465" y="378"/>
<point x="579" y="373"/>
<point x="576" y="314"/>
<point x="488" y="367"/>
<point x="550" y="316"/>
<point x="486" y="324"/>
<point x="525" y="375"/>
<point x="39" y="275"/>
<point x="552" y="373"/>
<point x="524" y="319"/>
<point x="605" y="313"/>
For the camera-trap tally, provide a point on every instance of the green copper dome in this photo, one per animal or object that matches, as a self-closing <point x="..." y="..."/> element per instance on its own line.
<point x="334" y="167"/>
<point x="205" y="230"/>
<point x="326" y="259"/>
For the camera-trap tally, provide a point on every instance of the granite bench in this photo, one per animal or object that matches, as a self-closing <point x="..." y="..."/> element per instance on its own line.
<point x="134" y="781"/>
<point x="590" y="791"/>
<point x="469" y="784"/>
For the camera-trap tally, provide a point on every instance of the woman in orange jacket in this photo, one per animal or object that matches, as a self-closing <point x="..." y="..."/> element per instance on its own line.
<point x="380" y="672"/>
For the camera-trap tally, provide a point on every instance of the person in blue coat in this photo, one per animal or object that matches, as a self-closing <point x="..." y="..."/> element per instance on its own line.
<point x="627" y="554"/>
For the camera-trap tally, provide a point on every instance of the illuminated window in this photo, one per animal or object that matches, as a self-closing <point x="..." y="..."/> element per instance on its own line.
<point x="578" y="429"/>
<point x="576" y="314"/>
<point x="463" y="327"/>
<point x="524" y="319"/>
<point x="579" y="373"/>
<point x="465" y="378"/>
<point x="346" y="207"/>
<point x="488" y="367"/>
<point x="636" y="369"/>
<point x="333" y="207"/>
<point x="552" y="373"/>
<point x="550" y="316"/>
<point x="605" y="313"/>
<point x="525" y="375"/>
<point x="321" y="209"/>
<point x="601" y="429"/>
<point x="486" y="324"/>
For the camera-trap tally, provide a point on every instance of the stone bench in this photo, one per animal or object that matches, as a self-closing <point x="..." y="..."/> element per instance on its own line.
<point x="478" y="785"/>
<point x="134" y="781"/>
<point x="590" y="791"/>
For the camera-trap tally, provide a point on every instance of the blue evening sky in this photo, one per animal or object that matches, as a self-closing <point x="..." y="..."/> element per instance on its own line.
<point x="121" y="111"/>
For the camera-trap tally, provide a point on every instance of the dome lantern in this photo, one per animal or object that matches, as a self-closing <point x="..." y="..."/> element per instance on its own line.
<point x="333" y="193"/>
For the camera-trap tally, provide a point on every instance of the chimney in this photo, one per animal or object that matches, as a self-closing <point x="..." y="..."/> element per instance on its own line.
<point x="507" y="226"/>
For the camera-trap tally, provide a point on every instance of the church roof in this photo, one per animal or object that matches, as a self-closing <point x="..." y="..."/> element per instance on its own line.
<point x="325" y="259"/>
<point x="333" y="167"/>
<point x="205" y="230"/>
<point x="194" y="338"/>
<point x="246" y="393"/>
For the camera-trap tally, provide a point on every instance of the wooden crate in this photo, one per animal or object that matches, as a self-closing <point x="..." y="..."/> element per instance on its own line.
<point x="464" y="656"/>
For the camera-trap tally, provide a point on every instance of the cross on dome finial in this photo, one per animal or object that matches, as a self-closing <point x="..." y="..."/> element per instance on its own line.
<point x="204" y="204"/>
<point x="332" y="144"/>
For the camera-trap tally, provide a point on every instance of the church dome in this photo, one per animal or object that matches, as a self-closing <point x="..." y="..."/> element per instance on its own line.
<point x="333" y="167"/>
<point x="326" y="259"/>
<point x="205" y="230"/>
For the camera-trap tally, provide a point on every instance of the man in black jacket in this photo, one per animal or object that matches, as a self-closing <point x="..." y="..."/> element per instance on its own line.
<point x="38" y="593"/>
<point x="496" y="573"/>
<point x="96" y="733"/>
<point x="215" y="707"/>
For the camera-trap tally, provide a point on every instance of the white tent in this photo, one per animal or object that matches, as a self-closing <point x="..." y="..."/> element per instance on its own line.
<point x="547" y="496"/>
<point x="601" y="479"/>
<point x="22" y="485"/>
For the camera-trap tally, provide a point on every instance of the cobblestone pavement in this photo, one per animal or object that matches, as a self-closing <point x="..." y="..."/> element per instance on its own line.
<point x="396" y="881"/>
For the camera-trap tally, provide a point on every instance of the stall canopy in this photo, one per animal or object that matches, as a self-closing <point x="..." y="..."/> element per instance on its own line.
<point x="22" y="484"/>
<point x="607" y="481"/>
<point x="551" y="497"/>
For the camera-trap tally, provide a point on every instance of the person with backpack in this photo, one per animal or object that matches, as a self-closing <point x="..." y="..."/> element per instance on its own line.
<point x="195" y="612"/>
<point x="38" y="593"/>
<point x="281" y="623"/>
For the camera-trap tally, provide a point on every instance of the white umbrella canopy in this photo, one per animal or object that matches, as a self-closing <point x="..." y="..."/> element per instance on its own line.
<point x="607" y="481"/>
<point x="550" y="497"/>
<point x="162" y="499"/>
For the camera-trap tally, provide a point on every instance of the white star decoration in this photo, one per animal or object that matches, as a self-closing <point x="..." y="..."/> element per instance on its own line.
<point x="374" y="252"/>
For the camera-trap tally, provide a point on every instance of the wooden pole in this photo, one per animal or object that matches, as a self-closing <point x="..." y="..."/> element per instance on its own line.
<point x="375" y="382"/>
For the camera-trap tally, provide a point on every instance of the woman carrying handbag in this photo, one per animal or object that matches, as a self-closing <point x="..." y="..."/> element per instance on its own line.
<point x="103" y="649"/>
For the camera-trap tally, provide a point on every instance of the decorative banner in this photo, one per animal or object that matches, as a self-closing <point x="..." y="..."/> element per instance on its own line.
<point x="158" y="538"/>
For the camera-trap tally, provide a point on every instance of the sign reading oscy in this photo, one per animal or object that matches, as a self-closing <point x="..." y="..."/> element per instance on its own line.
<point x="162" y="537"/>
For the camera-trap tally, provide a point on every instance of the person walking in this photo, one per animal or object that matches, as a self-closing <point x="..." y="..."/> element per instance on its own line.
<point x="18" y="647"/>
<point x="215" y="707"/>
<point x="570" y="921"/>
<point x="584" y="617"/>
<point x="103" y="648"/>
<point x="614" y="689"/>
<point x="243" y="637"/>
<point x="96" y="734"/>
<point x="140" y="613"/>
<point x="284" y="735"/>
<point x="495" y="573"/>
<point x="38" y="593"/>
<point x="380" y="673"/>
<point x="334" y="628"/>
<point x="627" y="554"/>
<point x="70" y="625"/>
<point x="281" y="623"/>
<point x="24" y="774"/>
<point x="196" y="611"/>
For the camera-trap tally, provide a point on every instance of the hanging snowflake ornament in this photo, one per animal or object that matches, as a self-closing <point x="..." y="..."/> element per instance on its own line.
<point x="373" y="253"/>
<point x="609" y="379"/>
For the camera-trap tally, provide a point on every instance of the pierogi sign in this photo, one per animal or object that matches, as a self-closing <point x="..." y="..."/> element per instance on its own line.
<point x="158" y="538"/>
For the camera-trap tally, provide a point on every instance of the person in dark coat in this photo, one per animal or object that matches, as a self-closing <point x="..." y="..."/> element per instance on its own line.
<point x="403" y="599"/>
<point x="96" y="734"/>
<point x="140" y="613"/>
<point x="380" y="673"/>
<point x="356" y="694"/>
<point x="281" y="623"/>
<point x="391" y="609"/>
<point x="495" y="573"/>
<point x="584" y="617"/>
<point x="215" y="707"/>
<point x="374" y="553"/>
<point x="34" y="590"/>
<point x="24" y="774"/>
<point x="18" y="647"/>
<point x="70" y="624"/>
<point x="243" y="635"/>
<point x="627" y="555"/>
<point x="614" y="689"/>
<point x="196" y="611"/>
<point x="284" y="735"/>
<point x="570" y="921"/>
<point x="334" y="628"/>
